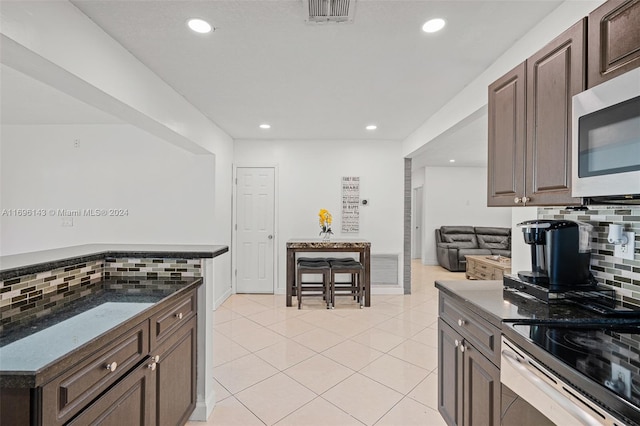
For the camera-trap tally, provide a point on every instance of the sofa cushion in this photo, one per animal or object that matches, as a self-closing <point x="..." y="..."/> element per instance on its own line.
<point x="471" y="251"/>
<point x="494" y="242"/>
<point x="463" y="236"/>
<point x="461" y="240"/>
<point x="491" y="230"/>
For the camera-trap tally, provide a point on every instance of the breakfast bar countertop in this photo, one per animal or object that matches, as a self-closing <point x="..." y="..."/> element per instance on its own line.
<point x="15" y="265"/>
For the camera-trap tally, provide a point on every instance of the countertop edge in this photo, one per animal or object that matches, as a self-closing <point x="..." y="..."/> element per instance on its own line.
<point x="207" y="252"/>
<point x="486" y="314"/>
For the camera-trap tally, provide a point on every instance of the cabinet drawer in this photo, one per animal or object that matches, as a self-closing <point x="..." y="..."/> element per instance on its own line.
<point x="170" y="319"/>
<point x="74" y="389"/>
<point x="479" y="332"/>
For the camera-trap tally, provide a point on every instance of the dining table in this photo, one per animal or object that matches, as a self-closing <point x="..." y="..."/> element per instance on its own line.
<point x="362" y="248"/>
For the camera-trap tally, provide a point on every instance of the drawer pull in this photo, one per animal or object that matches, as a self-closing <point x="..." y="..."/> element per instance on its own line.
<point x="179" y="315"/>
<point x="462" y="348"/>
<point x="152" y="366"/>
<point x="461" y="322"/>
<point x="156" y="358"/>
<point x="456" y="342"/>
<point x="112" y="366"/>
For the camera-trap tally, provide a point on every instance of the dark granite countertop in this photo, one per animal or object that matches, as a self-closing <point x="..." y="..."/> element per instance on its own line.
<point x="30" y="263"/>
<point x="490" y="300"/>
<point x="27" y="350"/>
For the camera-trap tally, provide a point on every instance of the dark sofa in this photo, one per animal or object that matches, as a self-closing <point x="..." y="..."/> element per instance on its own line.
<point x="453" y="243"/>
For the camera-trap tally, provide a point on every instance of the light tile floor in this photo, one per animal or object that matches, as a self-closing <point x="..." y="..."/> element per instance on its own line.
<point x="347" y="366"/>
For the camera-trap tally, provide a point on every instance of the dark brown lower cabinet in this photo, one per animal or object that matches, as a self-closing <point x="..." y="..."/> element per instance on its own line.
<point x="449" y="374"/>
<point x="130" y="402"/>
<point x="142" y="373"/>
<point x="176" y="376"/>
<point x="469" y="389"/>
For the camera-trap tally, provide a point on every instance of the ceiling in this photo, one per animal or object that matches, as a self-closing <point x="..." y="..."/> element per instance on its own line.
<point x="264" y="64"/>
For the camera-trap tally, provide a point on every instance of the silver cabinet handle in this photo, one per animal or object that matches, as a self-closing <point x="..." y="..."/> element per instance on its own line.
<point x="156" y="358"/>
<point x="112" y="366"/>
<point x="457" y="343"/>
<point x="152" y="366"/>
<point x="517" y="200"/>
<point x="179" y="315"/>
<point x="462" y="348"/>
<point x="461" y="322"/>
<point x="525" y="200"/>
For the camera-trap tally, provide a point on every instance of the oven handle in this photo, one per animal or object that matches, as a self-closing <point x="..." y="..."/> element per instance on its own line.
<point x="560" y="398"/>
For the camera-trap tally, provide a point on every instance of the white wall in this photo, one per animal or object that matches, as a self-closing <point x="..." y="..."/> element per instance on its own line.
<point x="456" y="196"/>
<point x="309" y="178"/>
<point x="168" y="192"/>
<point x="520" y="251"/>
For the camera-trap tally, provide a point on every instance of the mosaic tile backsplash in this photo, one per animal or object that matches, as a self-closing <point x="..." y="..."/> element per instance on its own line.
<point x="32" y="296"/>
<point x="622" y="275"/>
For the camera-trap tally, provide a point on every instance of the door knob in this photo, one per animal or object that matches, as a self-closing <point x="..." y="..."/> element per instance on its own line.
<point x="270" y="237"/>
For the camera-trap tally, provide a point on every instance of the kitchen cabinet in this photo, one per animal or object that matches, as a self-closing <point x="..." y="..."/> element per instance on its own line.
<point x="529" y="111"/>
<point x="468" y="373"/>
<point x="129" y="402"/>
<point x="614" y="40"/>
<point x="176" y="376"/>
<point x="141" y="372"/>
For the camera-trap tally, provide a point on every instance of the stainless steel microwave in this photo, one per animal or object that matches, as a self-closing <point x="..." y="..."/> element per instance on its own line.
<point x="606" y="139"/>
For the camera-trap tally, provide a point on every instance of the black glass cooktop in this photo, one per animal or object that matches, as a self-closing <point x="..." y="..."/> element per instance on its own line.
<point x="610" y="357"/>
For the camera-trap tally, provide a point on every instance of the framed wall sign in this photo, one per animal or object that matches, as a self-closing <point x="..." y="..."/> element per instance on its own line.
<point x="350" y="204"/>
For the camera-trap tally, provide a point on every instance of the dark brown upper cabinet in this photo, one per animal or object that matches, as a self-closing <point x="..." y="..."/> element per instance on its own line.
<point x="614" y="40"/>
<point x="506" y="111"/>
<point x="554" y="75"/>
<point x="529" y="111"/>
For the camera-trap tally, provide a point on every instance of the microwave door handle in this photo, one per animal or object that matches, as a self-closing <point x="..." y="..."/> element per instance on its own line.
<point x="526" y="371"/>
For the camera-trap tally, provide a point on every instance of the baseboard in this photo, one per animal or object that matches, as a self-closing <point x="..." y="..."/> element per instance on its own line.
<point x="203" y="409"/>
<point x="387" y="290"/>
<point x="220" y="300"/>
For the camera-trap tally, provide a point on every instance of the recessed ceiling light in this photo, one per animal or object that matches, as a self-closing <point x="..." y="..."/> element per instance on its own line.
<point x="371" y="127"/>
<point x="199" y="25"/>
<point x="433" y="25"/>
<point x="452" y="161"/>
<point x="265" y="126"/>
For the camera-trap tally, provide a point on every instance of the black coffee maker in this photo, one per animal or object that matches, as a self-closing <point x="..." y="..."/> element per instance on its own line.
<point x="560" y="254"/>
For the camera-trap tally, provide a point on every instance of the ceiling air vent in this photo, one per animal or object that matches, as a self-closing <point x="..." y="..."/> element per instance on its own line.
<point x="320" y="11"/>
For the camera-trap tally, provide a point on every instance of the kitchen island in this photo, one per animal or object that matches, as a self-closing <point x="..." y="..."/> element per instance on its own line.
<point x="97" y="322"/>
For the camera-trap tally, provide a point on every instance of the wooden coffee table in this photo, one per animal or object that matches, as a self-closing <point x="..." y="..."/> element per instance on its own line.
<point x="487" y="267"/>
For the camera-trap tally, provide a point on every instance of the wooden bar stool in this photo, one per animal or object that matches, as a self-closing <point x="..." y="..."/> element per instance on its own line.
<point x="314" y="288"/>
<point x="354" y="287"/>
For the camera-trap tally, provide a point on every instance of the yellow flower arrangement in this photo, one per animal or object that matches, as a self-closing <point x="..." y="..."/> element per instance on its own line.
<point x="325" y="220"/>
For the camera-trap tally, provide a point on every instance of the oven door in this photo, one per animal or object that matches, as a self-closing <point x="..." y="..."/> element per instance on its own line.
<point x="546" y="392"/>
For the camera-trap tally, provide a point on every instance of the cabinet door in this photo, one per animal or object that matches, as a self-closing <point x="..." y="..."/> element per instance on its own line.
<point x="614" y="40"/>
<point x="130" y="402"/>
<point x="481" y="389"/>
<point x="506" y="112"/>
<point x="449" y="374"/>
<point x="176" y="376"/>
<point x="554" y="75"/>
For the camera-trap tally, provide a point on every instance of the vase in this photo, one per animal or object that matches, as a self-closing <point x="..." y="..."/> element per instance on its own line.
<point x="326" y="236"/>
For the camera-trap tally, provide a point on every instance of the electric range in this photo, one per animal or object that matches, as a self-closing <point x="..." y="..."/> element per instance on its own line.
<point x="597" y="359"/>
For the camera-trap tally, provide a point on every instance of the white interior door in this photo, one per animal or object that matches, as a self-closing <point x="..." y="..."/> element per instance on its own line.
<point x="255" y="207"/>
